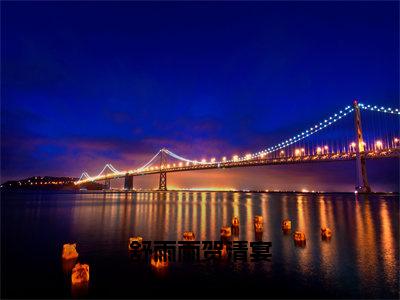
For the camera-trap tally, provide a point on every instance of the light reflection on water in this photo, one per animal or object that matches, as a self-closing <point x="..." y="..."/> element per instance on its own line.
<point x="361" y="259"/>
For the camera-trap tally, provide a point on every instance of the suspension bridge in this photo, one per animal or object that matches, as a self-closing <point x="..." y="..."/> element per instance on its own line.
<point x="289" y="151"/>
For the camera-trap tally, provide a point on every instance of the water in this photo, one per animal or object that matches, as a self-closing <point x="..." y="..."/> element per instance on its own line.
<point x="360" y="261"/>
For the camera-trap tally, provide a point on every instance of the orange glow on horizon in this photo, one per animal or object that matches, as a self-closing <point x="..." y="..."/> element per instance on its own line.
<point x="211" y="188"/>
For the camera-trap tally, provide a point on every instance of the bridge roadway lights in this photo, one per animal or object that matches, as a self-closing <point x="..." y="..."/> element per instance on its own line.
<point x="128" y="182"/>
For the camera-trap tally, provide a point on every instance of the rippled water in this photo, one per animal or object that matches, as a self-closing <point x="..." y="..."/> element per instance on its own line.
<point x="360" y="261"/>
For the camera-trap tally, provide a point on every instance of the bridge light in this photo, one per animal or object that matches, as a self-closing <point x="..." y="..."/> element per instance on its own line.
<point x="379" y="144"/>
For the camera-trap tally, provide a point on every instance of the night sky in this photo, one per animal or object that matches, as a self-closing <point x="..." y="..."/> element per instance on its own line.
<point x="84" y="84"/>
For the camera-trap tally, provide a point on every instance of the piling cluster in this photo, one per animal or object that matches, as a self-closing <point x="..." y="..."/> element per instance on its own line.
<point x="80" y="272"/>
<point x="159" y="260"/>
<point x="299" y="237"/>
<point x="135" y="243"/>
<point x="326" y="233"/>
<point x="189" y="236"/>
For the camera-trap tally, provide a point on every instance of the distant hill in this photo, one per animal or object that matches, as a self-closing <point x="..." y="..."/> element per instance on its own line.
<point x="47" y="183"/>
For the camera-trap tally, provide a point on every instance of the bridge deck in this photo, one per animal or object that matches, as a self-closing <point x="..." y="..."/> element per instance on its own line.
<point x="318" y="158"/>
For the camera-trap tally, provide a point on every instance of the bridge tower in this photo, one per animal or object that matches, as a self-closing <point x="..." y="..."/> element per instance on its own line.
<point x="163" y="175"/>
<point x="128" y="182"/>
<point x="107" y="184"/>
<point x="361" y="169"/>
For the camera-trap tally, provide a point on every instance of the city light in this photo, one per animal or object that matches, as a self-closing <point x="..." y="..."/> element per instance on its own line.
<point x="224" y="159"/>
<point x="297" y="152"/>
<point x="212" y="160"/>
<point x="235" y="158"/>
<point x="378" y="145"/>
<point x="319" y="150"/>
<point x="248" y="156"/>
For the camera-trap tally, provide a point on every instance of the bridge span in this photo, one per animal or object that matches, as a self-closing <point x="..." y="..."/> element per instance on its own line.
<point x="275" y="155"/>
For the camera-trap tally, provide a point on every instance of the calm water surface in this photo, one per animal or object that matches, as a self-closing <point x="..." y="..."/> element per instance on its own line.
<point x="360" y="261"/>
